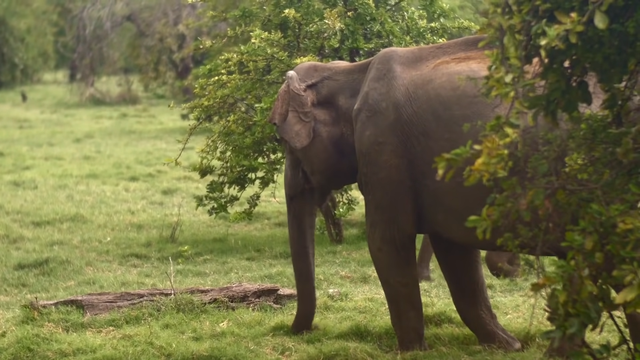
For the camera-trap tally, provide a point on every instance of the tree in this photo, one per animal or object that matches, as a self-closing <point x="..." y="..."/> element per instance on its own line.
<point x="93" y="26"/>
<point x="471" y="10"/>
<point x="166" y="34"/>
<point x="26" y="42"/>
<point x="151" y="38"/>
<point x="580" y="182"/>
<point x="235" y="92"/>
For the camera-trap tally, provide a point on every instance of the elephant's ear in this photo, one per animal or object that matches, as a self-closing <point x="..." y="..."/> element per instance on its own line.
<point x="293" y="113"/>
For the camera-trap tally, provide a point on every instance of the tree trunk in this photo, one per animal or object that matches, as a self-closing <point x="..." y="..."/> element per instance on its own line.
<point x="104" y="302"/>
<point x="73" y="71"/>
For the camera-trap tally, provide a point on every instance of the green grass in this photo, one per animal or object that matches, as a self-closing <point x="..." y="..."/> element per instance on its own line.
<point x="87" y="205"/>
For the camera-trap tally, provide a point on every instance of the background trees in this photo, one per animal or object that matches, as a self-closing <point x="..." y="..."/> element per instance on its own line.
<point x="26" y="40"/>
<point x="152" y="40"/>
<point x="235" y="91"/>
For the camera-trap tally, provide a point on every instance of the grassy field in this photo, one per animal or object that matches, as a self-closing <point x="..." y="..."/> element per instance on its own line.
<point x="87" y="205"/>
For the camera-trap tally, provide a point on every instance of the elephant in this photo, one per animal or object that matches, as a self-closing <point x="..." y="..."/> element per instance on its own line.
<point x="380" y="123"/>
<point x="503" y="264"/>
<point x="500" y="264"/>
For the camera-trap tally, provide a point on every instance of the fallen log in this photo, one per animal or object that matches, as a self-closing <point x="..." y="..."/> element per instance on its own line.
<point x="234" y="295"/>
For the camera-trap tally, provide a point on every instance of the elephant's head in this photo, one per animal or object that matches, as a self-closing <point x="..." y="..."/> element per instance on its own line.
<point x="313" y="115"/>
<point x="293" y="113"/>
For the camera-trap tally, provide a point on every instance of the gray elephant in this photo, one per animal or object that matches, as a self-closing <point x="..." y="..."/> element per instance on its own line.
<point x="380" y="123"/>
<point x="500" y="264"/>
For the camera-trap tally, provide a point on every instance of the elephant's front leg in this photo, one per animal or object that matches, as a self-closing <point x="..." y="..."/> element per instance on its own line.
<point x="462" y="269"/>
<point x="393" y="250"/>
<point x="302" y="201"/>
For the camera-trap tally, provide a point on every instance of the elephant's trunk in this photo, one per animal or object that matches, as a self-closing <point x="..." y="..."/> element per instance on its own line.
<point x="301" y="216"/>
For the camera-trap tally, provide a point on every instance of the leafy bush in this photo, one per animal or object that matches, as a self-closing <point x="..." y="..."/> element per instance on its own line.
<point x="235" y="92"/>
<point x="578" y="184"/>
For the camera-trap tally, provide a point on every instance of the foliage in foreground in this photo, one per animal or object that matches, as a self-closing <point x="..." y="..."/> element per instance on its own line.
<point x="235" y="92"/>
<point x="579" y="183"/>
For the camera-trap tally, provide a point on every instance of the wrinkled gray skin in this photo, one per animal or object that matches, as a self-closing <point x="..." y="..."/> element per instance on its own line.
<point x="500" y="264"/>
<point x="503" y="264"/>
<point x="380" y="123"/>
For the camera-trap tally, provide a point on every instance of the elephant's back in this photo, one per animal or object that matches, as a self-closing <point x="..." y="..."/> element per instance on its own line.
<point x="417" y="110"/>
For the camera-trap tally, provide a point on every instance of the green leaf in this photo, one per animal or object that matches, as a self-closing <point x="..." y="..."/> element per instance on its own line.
<point x="589" y="243"/>
<point x="627" y="294"/>
<point x="474" y="221"/>
<point x="564" y="18"/>
<point x="601" y="20"/>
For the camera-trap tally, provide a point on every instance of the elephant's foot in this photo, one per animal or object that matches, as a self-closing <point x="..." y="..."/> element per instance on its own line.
<point x="424" y="276"/>
<point x="297" y="329"/>
<point x="303" y="323"/>
<point x="501" y="339"/>
<point x="504" y="271"/>
<point x="407" y="346"/>
<point x="503" y="264"/>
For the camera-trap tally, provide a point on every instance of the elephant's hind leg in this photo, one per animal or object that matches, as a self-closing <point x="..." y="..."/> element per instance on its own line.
<point x="424" y="259"/>
<point x="462" y="269"/>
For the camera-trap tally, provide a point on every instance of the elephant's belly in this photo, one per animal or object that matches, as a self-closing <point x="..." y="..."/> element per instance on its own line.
<point x="446" y="208"/>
